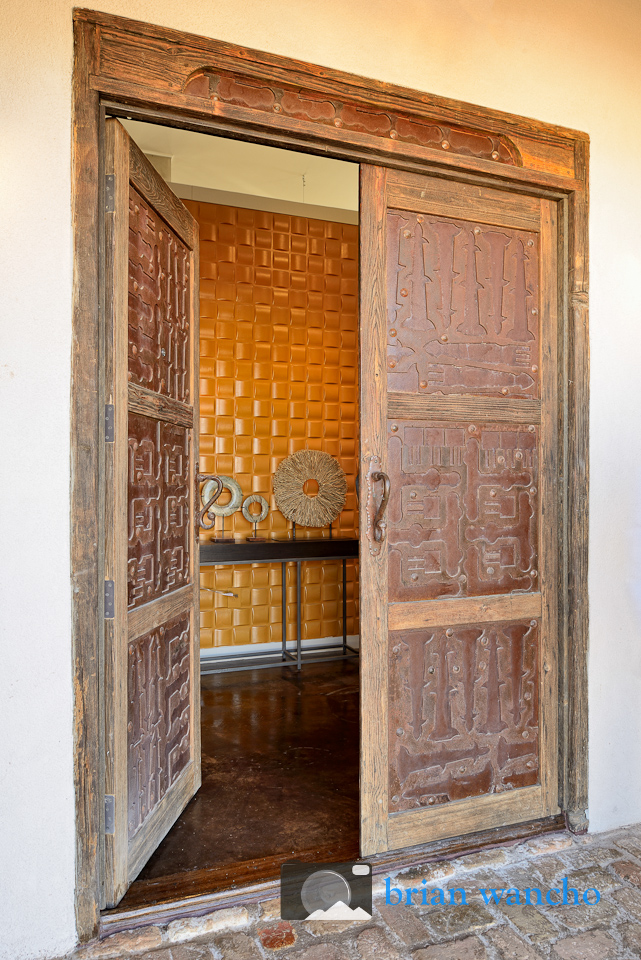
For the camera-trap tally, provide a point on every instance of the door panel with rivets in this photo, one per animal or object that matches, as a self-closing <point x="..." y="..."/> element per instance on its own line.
<point x="152" y="696"/>
<point x="459" y="408"/>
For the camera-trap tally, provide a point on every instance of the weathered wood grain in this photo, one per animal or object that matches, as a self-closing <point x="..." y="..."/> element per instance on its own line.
<point x="538" y="154"/>
<point x="477" y="813"/>
<point x="194" y="470"/>
<point x="435" y="613"/>
<point x="150" y="184"/>
<point x="407" y="406"/>
<point x="150" y="404"/>
<point x="141" y="620"/>
<point x="115" y="499"/>
<point x="577" y="614"/>
<point x="86" y="509"/>
<point x="176" y="798"/>
<point x="551" y="483"/>
<point x="463" y="201"/>
<point x="373" y="565"/>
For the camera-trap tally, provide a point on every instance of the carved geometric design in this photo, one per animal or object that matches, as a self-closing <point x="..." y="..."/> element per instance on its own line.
<point x="463" y="509"/>
<point x="158" y="716"/>
<point x="158" y="505"/>
<point x="158" y="303"/>
<point x="463" y="307"/>
<point x="464" y="712"/>
<point x="316" y="107"/>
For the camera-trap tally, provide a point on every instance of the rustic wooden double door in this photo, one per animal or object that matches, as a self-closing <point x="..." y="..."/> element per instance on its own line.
<point x="459" y="487"/>
<point x="459" y="600"/>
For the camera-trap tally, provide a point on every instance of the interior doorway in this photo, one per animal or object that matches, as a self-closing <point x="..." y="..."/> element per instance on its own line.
<point x="242" y="332"/>
<point x="278" y="304"/>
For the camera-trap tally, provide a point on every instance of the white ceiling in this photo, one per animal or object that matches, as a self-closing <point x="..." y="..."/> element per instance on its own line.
<point x="200" y="160"/>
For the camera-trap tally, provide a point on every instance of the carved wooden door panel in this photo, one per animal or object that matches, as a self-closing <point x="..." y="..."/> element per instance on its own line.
<point x="459" y="409"/>
<point x="152" y="721"/>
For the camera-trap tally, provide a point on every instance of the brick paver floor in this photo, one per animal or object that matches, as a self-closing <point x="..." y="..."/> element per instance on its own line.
<point x="427" y="929"/>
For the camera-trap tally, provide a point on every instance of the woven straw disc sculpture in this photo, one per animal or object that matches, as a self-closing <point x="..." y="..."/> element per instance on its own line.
<point x="292" y="501"/>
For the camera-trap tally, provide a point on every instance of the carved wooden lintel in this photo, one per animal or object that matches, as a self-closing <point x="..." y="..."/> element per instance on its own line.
<point x="316" y="107"/>
<point x="139" y="63"/>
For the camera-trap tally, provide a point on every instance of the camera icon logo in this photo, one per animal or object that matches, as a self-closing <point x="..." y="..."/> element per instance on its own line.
<point x="326" y="891"/>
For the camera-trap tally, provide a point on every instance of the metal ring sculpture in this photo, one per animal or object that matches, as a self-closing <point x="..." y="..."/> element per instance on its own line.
<point x="291" y="475"/>
<point x="211" y="481"/>
<point x="236" y="493"/>
<point x="255" y="517"/>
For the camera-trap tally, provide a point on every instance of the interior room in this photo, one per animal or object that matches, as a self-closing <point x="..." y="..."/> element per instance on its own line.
<point x="278" y="248"/>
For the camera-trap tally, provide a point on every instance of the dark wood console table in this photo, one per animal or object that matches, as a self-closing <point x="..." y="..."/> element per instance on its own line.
<point x="284" y="552"/>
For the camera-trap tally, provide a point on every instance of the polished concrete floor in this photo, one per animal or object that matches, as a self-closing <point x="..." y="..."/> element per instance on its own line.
<point x="280" y="757"/>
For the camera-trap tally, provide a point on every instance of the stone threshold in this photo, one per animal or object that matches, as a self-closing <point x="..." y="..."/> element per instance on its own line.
<point x="478" y="930"/>
<point x="115" y="921"/>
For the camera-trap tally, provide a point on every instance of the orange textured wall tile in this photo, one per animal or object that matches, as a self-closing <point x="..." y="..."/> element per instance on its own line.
<point x="278" y="373"/>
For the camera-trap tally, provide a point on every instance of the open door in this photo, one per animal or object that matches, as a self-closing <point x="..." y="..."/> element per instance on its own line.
<point x="152" y="695"/>
<point x="459" y="578"/>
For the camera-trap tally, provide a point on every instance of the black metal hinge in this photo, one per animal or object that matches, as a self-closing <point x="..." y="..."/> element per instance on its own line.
<point x="110" y="193"/>
<point x="110" y="422"/>
<point x="109" y="600"/>
<point x="110" y="814"/>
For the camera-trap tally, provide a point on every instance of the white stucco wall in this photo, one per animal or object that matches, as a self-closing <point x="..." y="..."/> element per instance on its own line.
<point x="573" y="62"/>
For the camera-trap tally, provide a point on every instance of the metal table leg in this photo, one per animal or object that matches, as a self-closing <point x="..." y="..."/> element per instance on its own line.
<point x="344" y="607"/>
<point x="299" y="641"/>
<point x="284" y="614"/>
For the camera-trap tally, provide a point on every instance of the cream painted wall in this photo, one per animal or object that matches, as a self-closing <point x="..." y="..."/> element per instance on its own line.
<point x="573" y="62"/>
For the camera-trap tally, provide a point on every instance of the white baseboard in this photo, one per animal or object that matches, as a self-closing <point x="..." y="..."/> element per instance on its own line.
<point x="215" y="653"/>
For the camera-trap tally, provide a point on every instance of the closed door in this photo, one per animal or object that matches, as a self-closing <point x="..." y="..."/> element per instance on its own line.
<point x="152" y="679"/>
<point x="459" y="576"/>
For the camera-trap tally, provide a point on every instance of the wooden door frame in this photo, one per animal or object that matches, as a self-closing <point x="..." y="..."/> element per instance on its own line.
<point x="134" y="69"/>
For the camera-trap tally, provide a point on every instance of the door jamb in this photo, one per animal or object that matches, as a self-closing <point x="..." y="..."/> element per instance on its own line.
<point x="186" y="100"/>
